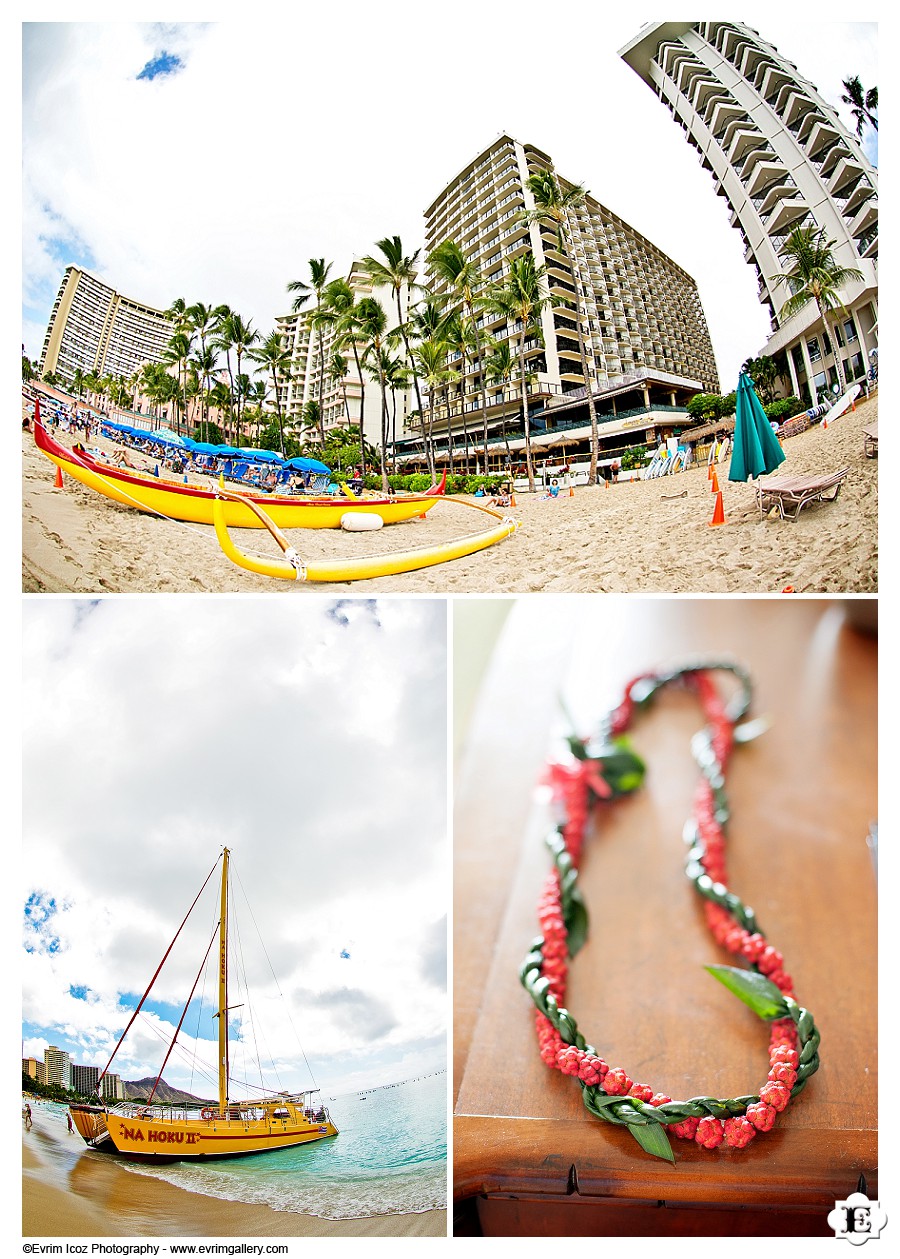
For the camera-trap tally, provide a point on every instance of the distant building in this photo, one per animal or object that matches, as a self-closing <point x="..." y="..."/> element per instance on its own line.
<point x="35" y="1068"/>
<point x="782" y="158"/>
<point x="57" y="1067"/>
<point x="95" y="329"/>
<point x="84" y="1079"/>
<point x="112" y="1087"/>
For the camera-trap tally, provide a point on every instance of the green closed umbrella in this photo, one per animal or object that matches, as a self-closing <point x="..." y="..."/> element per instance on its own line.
<point x="756" y="449"/>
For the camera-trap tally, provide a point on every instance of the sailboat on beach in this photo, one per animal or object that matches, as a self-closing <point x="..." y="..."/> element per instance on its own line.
<point x="226" y="1129"/>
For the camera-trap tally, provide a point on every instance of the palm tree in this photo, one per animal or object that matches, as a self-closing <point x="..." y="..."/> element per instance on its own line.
<point x="234" y="333"/>
<point x="460" y="340"/>
<point x="397" y="375"/>
<point x="371" y="326"/>
<point x="396" y="272"/>
<point x="337" y="375"/>
<point x="273" y="356"/>
<point x="500" y="366"/>
<point x="431" y="320"/>
<point x="205" y="362"/>
<point x="176" y="355"/>
<point x="464" y="280"/>
<point x="256" y="398"/>
<point x="318" y="275"/>
<point x="764" y="372"/>
<point x="863" y="105"/>
<point x="815" y="276"/>
<point x="431" y="361"/>
<point x="552" y="206"/>
<point x="521" y="298"/>
<point x="342" y="308"/>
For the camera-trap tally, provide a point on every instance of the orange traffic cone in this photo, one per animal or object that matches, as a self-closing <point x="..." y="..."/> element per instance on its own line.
<point x="715" y="483"/>
<point x="709" y="472"/>
<point x="571" y="491"/>
<point x="718" y="511"/>
<point x="512" y="500"/>
<point x="788" y="590"/>
<point x="58" y="484"/>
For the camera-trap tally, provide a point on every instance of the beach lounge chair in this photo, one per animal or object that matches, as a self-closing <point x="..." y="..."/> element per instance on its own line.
<point x="791" y="493"/>
<point x="870" y="440"/>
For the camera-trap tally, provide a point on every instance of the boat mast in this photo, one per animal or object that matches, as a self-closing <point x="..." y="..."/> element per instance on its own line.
<point x="223" y="989"/>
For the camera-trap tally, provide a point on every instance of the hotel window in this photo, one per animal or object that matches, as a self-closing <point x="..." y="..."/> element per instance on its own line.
<point x="850" y="330"/>
<point x="814" y="352"/>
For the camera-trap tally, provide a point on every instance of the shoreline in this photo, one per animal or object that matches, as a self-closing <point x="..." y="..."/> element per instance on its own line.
<point x="74" y="1192"/>
<point x="632" y="537"/>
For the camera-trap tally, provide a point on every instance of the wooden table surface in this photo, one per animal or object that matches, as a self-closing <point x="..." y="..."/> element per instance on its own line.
<point x="802" y="796"/>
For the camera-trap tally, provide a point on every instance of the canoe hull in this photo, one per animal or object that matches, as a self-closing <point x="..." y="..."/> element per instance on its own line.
<point x="165" y="1140"/>
<point x="194" y="503"/>
<point x="169" y="1139"/>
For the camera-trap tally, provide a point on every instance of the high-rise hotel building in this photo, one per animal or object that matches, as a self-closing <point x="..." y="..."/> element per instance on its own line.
<point x="642" y="319"/>
<point x="57" y="1066"/>
<point x="95" y="329"/>
<point x="782" y="159"/>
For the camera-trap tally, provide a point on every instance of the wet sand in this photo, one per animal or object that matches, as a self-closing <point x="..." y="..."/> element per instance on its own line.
<point x="646" y="536"/>
<point x="70" y="1191"/>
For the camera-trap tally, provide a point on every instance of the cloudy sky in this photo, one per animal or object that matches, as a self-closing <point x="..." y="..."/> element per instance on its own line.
<point x="310" y="739"/>
<point x="210" y="161"/>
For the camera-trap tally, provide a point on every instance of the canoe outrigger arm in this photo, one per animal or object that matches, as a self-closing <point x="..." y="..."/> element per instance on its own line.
<point x="292" y="568"/>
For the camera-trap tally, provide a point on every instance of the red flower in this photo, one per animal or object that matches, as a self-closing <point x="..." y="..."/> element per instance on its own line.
<point x="776" y="1095"/>
<point x="616" y="1082"/>
<point x="686" y="1129"/>
<point x="738" y="1133"/>
<point x="709" y="1133"/>
<point x="761" y="1116"/>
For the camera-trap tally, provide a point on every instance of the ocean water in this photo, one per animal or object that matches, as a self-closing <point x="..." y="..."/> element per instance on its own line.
<point x="389" y="1158"/>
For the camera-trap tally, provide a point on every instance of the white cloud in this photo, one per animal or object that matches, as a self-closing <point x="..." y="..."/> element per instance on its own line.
<point x="308" y="738"/>
<point x="312" y="132"/>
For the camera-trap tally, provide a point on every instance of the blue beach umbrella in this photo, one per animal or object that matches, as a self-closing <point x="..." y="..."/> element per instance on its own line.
<point x="756" y="449"/>
<point x="260" y="456"/>
<point x="307" y="465"/>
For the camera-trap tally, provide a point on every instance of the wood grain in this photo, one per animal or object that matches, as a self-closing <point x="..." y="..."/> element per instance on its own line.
<point x="802" y="797"/>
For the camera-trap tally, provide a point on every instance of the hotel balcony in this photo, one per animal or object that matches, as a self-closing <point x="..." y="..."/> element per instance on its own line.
<point x="865" y="219"/>
<point x="848" y="168"/>
<point x="789" y="211"/>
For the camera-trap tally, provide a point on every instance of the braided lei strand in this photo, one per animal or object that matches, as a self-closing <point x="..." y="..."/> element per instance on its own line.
<point x="603" y="770"/>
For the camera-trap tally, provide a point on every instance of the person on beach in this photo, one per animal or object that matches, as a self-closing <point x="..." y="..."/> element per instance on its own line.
<point x="69" y="1122"/>
<point x="501" y="498"/>
<point x="553" y="491"/>
<point x="27" y="1114"/>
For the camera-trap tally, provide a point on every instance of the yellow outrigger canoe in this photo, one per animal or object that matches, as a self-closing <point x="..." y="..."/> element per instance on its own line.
<point x="195" y="503"/>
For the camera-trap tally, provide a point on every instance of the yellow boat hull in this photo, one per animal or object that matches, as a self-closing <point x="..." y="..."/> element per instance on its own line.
<point x="194" y="503"/>
<point x="168" y="1139"/>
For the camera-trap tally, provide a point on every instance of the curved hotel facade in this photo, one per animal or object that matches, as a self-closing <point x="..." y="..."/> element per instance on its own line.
<point x="95" y="329"/>
<point x="782" y="158"/>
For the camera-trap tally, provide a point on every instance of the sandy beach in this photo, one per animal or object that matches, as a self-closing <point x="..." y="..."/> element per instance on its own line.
<point x="70" y="1191"/>
<point x="645" y="536"/>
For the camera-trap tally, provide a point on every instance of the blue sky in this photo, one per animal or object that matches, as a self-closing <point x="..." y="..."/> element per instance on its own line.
<point x="218" y="180"/>
<point x="307" y="735"/>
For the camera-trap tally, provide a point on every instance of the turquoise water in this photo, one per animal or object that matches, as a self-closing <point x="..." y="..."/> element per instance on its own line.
<point x="390" y="1158"/>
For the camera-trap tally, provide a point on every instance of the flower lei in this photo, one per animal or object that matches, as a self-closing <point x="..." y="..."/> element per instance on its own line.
<point x="604" y="769"/>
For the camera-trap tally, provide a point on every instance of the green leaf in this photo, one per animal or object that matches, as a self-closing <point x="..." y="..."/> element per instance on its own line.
<point x="576" y="919"/>
<point x="763" y="998"/>
<point x="621" y="768"/>
<point x="652" y="1138"/>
